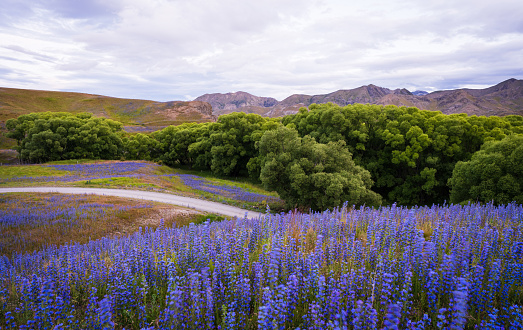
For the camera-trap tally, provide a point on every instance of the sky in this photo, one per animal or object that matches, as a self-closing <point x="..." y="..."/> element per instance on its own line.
<point x="166" y="50"/>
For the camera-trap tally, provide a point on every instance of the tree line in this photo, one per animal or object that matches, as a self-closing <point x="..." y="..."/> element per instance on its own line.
<point x="317" y="158"/>
<point x="410" y="153"/>
<point x="51" y="136"/>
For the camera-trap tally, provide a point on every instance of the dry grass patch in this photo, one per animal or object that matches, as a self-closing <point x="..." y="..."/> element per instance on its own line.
<point x="32" y="221"/>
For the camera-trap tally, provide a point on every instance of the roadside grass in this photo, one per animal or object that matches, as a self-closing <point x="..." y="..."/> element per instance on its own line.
<point x="254" y="206"/>
<point x="140" y="175"/>
<point x="119" y="183"/>
<point x="32" y="221"/>
<point x="244" y="183"/>
<point x="241" y="182"/>
<point x="73" y="161"/>
<point x="28" y="171"/>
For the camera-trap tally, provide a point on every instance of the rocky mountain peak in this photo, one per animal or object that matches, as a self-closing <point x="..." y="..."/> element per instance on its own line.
<point x="502" y="99"/>
<point x="402" y="91"/>
<point x="232" y="101"/>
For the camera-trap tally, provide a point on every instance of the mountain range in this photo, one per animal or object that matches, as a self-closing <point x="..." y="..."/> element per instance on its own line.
<point x="505" y="98"/>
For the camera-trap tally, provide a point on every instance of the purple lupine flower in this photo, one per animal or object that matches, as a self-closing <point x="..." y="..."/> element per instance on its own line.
<point x="197" y="272"/>
<point x="459" y="305"/>
<point x="393" y="317"/>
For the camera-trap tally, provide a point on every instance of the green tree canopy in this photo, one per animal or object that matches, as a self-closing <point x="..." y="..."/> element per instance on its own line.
<point x="174" y="143"/>
<point x="310" y="174"/>
<point x="226" y="147"/>
<point x="51" y="136"/>
<point x="140" y="147"/>
<point x="233" y="141"/>
<point x="495" y="173"/>
<point x="410" y="153"/>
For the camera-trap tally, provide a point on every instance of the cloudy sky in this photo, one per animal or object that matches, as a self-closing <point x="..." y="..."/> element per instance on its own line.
<point x="179" y="49"/>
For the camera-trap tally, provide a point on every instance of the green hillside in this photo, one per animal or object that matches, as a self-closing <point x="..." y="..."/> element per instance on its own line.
<point x="145" y="114"/>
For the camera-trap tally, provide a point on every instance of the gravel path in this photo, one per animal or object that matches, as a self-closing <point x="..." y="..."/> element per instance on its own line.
<point x="193" y="203"/>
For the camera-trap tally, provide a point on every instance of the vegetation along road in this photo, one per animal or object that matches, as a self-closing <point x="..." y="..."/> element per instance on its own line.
<point x="197" y="204"/>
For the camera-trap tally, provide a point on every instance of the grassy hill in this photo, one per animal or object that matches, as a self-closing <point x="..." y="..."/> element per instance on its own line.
<point x="133" y="113"/>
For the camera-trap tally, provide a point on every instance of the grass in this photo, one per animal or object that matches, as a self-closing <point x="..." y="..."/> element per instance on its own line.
<point x="5" y="142"/>
<point x="13" y="171"/>
<point x="119" y="217"/>
<point x="73" y="161"/>
<point x="256" y="206"/>
<point x="120" y="182"/>
<point x="256" y="188"/>
<point x="247" y="182"/>
<point x="126" y="118"/>
<point x="241" y="182"/>
<point x="202" y="218"/>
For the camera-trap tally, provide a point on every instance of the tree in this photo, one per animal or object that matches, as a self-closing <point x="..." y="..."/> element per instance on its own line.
<point x="410" y="153"/>
<point x="233" y="139"/>
<point x="174" y="143"/>
<point x="495" y="173"/>
<point x="140" y="147"/>
<point x="49" y="136"/>
<point x="226" y="147"/>
<point x="310" y="174"/>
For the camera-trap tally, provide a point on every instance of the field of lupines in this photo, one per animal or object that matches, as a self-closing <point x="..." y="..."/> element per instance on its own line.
<point x="450" y="267"/>
<point x="30" y="221"/>
<point x="228" y="191"/>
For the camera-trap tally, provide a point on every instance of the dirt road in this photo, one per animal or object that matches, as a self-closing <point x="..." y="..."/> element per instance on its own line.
<point x="193" y="203"/>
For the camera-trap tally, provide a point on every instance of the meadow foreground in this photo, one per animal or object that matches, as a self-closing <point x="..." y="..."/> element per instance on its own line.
<point x="450" y="267"/>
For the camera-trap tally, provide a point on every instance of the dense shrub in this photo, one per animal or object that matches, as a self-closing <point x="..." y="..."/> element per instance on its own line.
<point x="410" y="153"/>
<point x="225" y="147"/>
<point x="495" y="173"/>
<point x="50" y="136"/>
<point x="312" y="175"/>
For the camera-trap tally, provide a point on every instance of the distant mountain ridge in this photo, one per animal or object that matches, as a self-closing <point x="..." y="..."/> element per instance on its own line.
<point x="505" y="98"/>
<point x="232" y="101"/>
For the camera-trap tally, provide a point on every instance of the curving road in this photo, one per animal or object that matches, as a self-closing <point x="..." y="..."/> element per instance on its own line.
<point x="193" y="203"/>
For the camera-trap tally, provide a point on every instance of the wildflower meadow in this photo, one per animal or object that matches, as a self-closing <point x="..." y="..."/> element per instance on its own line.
<point x="29" y="222"/>
<point x="229" y="191"/>
<point x="440" y="267"/>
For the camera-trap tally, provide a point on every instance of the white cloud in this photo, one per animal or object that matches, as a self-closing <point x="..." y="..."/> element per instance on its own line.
<point x="168" y="50"/>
